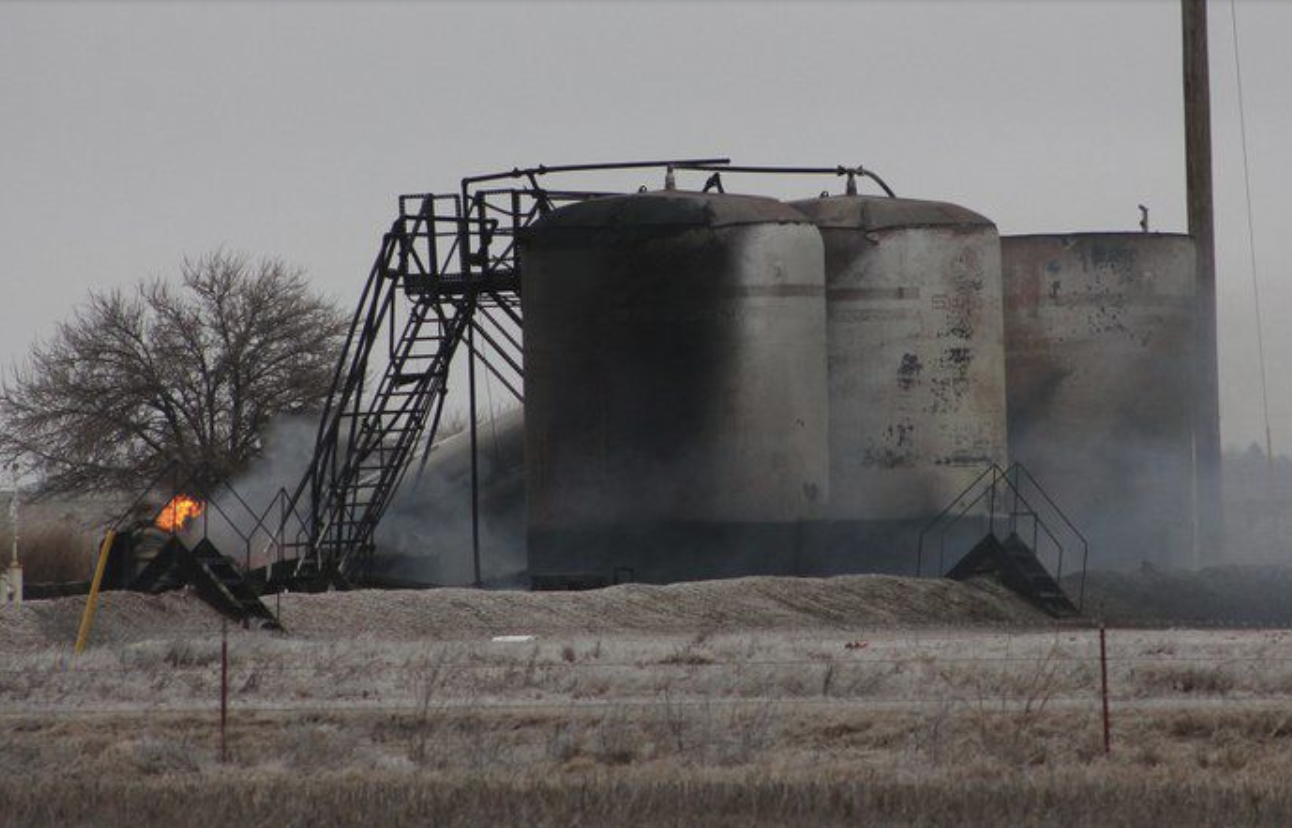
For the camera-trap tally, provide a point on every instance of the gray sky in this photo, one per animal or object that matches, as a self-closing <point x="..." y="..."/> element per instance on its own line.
<point x="131" y="134"/>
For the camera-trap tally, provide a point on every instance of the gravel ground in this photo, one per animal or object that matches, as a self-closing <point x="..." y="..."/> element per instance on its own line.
<point x="122" y="617"/>
<point x="745" y="604"/>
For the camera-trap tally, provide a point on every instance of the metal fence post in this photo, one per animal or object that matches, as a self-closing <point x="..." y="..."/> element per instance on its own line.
<point x="224" y="690"/>
<point x="1103" y="682"/>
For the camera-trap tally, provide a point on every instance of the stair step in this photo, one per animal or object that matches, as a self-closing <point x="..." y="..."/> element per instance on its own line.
<point x="1019" y="568"/>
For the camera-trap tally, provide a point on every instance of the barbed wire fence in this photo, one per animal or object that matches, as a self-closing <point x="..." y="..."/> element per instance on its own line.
<point x="925" y="672"/>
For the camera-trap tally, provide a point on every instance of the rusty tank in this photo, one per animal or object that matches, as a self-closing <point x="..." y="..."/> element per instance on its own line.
<point x="1099" y="353"/>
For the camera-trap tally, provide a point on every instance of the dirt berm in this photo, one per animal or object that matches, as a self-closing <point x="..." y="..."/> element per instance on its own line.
<point x="712" y="606"/>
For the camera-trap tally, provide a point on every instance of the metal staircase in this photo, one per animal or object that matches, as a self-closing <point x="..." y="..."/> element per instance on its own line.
<point x="221" y="584"/>
<point x="147" y="555"/>
<point x="1014" y="562"/>
<point x="367" y="451"/>
<point x="1009" y="502"/>
<point x="446" y="280"/>
<point x="418" y="308"/>
<point x="217" y="580"/>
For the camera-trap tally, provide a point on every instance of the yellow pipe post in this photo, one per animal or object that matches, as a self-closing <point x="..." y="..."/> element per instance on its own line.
<point x="87" y="618"/>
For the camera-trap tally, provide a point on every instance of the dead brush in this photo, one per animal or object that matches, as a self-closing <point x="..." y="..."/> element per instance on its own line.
<point x="191" y="653"/>
<point x="156" y="756"/>
<point x="617" y="738"/>
<point x="1268" y="724"/>
<point x="478" y="746"/>
<point x="526" y="675"/>
<point x="1191" y="679"/>
<point x="686" y="655"/>
<point x="317" y="746"/>
<point x="1147" y="754"/>
<point x="432" y="701"/>
<point x="563" y="741"/>
<point x="175" y="654"/>
<point x="1254" y="726"/>
<point x="17" y="686"/>
<point x="672" y="717"/>
<point x="1272" y="683"/>
<point x="706" y="734"/>
<point x="1191" y="724"/>
<point x="749" y="731"/>
<point x="1007" y="708"/>
<point x="827" y="677"/>
<point x="1228" y="758"/>
<point x="531" y="667"/>
<point x="51" y="554"/>
<point x="930" y="736"/>
<point x="856" y="679"/>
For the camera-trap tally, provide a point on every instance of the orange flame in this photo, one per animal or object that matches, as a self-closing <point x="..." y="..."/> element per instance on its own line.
<point x="179" y="512"/>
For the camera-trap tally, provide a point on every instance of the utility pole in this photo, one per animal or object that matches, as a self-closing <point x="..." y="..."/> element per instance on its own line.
<point x="1208" y="516"/>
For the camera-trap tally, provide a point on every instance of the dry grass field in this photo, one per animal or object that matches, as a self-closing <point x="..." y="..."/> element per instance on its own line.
<point x="754" y="703"/>
<point x="50" y="554"/>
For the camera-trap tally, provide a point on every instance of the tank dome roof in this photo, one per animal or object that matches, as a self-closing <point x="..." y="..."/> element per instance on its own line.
<point x="670" y="209"/>
<point x="880" y="212"/>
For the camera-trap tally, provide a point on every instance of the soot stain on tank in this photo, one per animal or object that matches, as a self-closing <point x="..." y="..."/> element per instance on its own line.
<point x="951" y="383"/>
<point x="959" y="359"/>
<point x="1111" y="256"/>
<point x="898" y="449"/>
<point x="965" y="458"/>
<point x="908" y="373"/>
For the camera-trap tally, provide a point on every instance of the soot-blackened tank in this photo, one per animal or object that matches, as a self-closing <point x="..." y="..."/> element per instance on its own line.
<point x="916" y="368"/>
<point x="1100" y="342"/>
<point x="675" y="387"/>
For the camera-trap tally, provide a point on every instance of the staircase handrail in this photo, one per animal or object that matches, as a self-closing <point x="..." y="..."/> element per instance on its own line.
<point x="986" y="483"/>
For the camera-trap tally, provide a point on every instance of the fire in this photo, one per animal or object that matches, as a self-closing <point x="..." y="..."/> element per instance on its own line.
<point x="177" y="514"/>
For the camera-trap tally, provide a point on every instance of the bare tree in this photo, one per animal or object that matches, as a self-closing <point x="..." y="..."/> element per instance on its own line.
<point x="190" y="373"/>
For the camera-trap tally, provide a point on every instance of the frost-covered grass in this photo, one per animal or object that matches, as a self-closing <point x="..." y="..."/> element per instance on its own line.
<point x="874" y="666"/>
<point x="905" y="726"/>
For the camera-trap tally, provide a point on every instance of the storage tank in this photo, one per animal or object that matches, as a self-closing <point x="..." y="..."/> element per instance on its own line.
<point x="1099" y="343"/>
<point x="675" y="384"/>
<point x="916" y="370"/>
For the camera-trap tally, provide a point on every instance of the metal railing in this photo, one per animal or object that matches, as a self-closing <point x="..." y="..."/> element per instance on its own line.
<point x="1011" y="499"/>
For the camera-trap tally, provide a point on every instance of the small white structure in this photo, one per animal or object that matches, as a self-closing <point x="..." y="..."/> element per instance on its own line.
<point x="11" y="579"/>
<point x="11" y="584"/>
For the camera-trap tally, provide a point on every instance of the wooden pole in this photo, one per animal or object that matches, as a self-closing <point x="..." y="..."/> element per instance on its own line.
<point x="1208" y="519"/>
